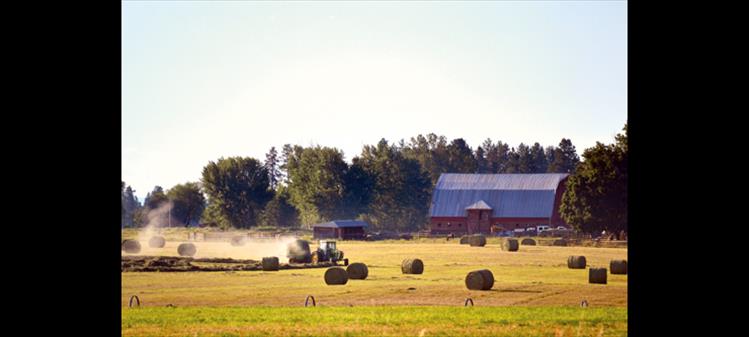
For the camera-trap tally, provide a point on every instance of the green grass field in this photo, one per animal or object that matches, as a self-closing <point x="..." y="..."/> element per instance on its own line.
<point x="534" y="294"/>
<point x="375" y="321"/>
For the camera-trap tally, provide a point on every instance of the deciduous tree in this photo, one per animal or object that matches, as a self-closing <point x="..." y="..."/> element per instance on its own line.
<point x="239" y="188"/>
<point x="188" y="203"/>
<point x="596" y="194"/>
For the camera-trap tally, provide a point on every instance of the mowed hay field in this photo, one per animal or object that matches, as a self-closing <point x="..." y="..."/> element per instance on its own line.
<point x="534" y="294"/>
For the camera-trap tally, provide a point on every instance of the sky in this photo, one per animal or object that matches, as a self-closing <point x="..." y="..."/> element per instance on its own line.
<point x="203" y="80"/>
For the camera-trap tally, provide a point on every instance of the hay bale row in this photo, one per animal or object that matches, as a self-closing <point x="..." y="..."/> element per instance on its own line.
<point x="510" y="245"/>
<point x="560" y="242"/>
<point x="186" y="249"/>
<point x="528" y="242"/>
<point x="357" y="271"/>
<point x="131" y="246"/>
<point x="157" y="242"/>
<point x="464" y="240"/>
<point x="270" y="263"/>
<point x="166" y="261"/>
<point x="412" y="266"/>
<point x="477" y="240"/>
<point x="480" y="280"/>
<point x="576" y="262"/>
<point x="336" y="276"/>
<point x="618" y="267"/>
<point x="597" y="275"/>
<point x="238" y="240"/>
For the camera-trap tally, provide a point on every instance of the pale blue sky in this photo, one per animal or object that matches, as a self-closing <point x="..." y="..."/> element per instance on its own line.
<point x="201" y="80"/>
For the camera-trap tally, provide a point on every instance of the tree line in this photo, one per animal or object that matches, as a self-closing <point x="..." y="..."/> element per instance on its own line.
<point x="388" y="184"/>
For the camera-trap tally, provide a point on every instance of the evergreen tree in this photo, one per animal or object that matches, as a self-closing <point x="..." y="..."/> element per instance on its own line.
<point x="525" y="161"/>
<point x="497" y="156"/>
<point x="460" y="157"/>
<point x="272" y="166"/>
<point x="131" y="205"/>
<point x="538" y="159"/>
<point x="482" y="165"/>
<point x="550" y="159"/>
<point x="565" y="158"/>
<point x="513" y="162"/>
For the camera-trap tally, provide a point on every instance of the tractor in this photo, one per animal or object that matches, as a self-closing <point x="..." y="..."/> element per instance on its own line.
<point x="327" y="252"/>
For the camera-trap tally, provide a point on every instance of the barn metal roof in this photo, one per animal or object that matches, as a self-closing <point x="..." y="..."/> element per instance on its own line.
<point x="342" y="224"/>
<point x="510" y="195"/>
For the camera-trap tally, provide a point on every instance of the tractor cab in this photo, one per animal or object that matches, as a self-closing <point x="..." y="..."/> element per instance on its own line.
<point x="327" y="245"/>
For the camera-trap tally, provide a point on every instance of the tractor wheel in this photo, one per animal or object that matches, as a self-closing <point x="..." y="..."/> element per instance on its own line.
<point x="314" y="258"/>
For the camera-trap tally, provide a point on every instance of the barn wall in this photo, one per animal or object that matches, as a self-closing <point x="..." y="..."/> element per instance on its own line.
<point x="448" y="225"/>
<point x="556" y="218"/>
<point x="339" y="233"/>
<point x="325" y="233"/>
<point x="353" y="233"/>
<point x="506" y="223"/>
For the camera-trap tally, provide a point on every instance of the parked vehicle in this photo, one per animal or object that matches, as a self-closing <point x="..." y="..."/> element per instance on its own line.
<point x="505" y="233"/>
<point x="543" y="228"/>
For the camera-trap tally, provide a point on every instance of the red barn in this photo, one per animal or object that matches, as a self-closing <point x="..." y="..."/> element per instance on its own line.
<point x="483" y="203"/>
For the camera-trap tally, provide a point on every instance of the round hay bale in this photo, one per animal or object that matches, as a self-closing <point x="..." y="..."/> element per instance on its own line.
<point x="238" y="240"/>
<point x="270" y="263"/>
<point x="186" y="249"/>
<point x="528" y="242"/>
<point x="597" y="275"/>
<point x="480" y="280"/>
<point x="618" y="267"/>
<point x="560" y="242"/>
<point x="488" y="278"/>
<point x="576" y="262"/>
<point x="131" y="246"/>
<point x="336" y="275"/>
<point x="477" y="240"/>
<point x="157" y="242"/>
<point x="299" y="252"/>
<point x="357" y="271"/>
<point x="510" y="245"/>
<point x="412" y="266"/>
<point x="465" y="239"/>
